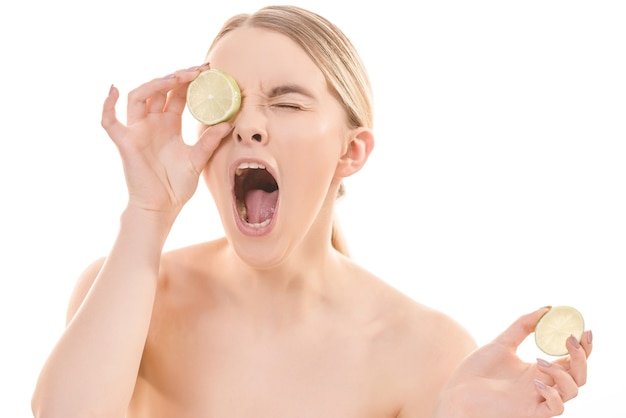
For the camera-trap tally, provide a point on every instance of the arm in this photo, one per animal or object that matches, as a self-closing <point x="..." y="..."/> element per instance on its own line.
<point x="494" y="382"/>
<point x="93" y="367"/>
<point x="432" y="359"/>
<point x="101" y="347"/>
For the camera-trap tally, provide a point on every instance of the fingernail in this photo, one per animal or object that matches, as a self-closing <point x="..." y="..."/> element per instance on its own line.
<point x="574" y="341"/>
<point x="205" y="65"/>
<point x="540" y="384"/>
<point x="590" y="337"/>
<point x="170" y="76"/>
<point x="111" y="89"/>
<point x="543" y="362"/>
<point x="192" y="69"/>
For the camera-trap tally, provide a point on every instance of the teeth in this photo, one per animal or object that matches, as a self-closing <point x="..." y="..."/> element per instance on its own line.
<point x="260" y="225"/>
<point x="252" y="165"/>
<point x="241" y="207"/>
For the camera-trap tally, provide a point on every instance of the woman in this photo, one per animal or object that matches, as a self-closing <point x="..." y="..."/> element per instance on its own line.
<point x="272" y="320"/>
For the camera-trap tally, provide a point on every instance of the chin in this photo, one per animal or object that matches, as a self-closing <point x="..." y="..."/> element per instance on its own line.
<point x="259" y="255"/>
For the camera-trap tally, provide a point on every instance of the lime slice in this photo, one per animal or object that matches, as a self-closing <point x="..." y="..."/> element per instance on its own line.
<point x="213" y="97"/>
<point x="554" y="328"/>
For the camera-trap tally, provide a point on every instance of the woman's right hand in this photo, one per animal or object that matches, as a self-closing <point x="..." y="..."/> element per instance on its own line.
<point x="161" y="170"/>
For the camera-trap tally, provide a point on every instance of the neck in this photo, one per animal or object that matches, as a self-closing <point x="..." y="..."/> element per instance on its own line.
<point x="296" y="282"/>
<point x="290" y="292"/>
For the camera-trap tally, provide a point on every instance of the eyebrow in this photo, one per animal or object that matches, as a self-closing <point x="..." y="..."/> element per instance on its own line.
<point x="290" y="88"/>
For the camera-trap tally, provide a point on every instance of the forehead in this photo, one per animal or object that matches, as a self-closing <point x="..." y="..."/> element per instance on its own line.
<point x="261" y="58"/>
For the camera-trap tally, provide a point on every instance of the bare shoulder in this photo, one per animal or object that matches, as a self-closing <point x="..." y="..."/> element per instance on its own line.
<point x="185" y="261"/>
<point x="172" y="262"/>
<point x="421" y="347"/>
<point x="190" y="276"/>
<point x="445" y="335"/>
<point x="414" y="323"/>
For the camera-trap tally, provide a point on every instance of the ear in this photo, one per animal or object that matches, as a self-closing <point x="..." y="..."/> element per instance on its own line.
<point x="356" y="151"/>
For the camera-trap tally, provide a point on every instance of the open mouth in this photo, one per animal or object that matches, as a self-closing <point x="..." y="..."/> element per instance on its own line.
<point x="256" y="194"/>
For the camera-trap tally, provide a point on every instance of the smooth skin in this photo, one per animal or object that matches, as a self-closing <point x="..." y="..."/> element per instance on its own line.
<point x="277" y="323"/>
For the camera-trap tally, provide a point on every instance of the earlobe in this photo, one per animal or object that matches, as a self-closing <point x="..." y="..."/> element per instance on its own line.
<point x="358" y="149"/>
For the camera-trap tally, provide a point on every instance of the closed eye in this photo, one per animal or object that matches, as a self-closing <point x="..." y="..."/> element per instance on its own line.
<point x="288" y="106"/>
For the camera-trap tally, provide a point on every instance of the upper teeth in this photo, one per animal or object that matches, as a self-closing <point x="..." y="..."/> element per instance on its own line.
<point x="254" y="165"/>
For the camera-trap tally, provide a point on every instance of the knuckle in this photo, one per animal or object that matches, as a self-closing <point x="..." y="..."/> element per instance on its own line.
<point x="579" y="377"/>
<point x="558" y="409"/>
<point x="571" y="393"/>
<point x="132" y="95"/>
<point x="107" y="121"/>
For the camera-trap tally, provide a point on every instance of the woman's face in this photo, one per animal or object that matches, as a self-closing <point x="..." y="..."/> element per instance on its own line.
<point x="270" y="177"/>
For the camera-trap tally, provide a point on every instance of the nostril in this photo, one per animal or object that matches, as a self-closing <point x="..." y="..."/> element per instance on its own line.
<point x="251" y="138"/>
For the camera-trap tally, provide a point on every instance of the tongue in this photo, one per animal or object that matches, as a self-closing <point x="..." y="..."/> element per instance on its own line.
<point x="260" y="205"/>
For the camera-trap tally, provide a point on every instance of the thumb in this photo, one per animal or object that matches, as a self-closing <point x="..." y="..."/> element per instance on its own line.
<point x="109" y="120"/>
<point x="207" y="143"/>
<point x="513" y="336"/>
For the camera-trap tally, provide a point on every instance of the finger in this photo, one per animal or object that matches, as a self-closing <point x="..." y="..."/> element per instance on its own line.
<point x="207" y="144"/>
<point x="520" y="329"/>
<point x="587" y="342"/>
<point x="578" y="360"/>
<point x="177" y="98"/>
<point x="552" y="404"/>
<point x="110" y="123"/>
<point x="151" y="91"/>
<point x="156" y="102"/>
<point x="565" y="384"/>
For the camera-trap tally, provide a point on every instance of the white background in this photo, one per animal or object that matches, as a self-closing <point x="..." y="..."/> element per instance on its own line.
<point x="497" y="185"/>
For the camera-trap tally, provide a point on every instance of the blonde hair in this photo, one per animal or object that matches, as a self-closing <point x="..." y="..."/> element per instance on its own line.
<point x="334" y="55"/>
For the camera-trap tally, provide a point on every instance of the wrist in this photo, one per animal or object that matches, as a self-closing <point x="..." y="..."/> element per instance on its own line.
<point x="153" y="225"/>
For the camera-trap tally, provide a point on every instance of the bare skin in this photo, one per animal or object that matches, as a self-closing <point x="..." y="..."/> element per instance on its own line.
<point x="352" y="347"/>
<point x="270" y="321"/>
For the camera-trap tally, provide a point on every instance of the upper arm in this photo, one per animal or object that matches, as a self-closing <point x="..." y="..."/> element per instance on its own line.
<point x="440" y="348"/>
<point x="82" y="287"/>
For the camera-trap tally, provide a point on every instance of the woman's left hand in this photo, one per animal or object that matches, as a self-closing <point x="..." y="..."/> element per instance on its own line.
<point x="494" y="382"/>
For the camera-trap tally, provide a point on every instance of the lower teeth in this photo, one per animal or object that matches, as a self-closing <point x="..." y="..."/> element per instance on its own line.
<point x="241" y="209"/>
<point x="259" y="225"/>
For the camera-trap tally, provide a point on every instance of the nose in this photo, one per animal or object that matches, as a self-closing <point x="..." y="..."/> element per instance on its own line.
<point x="253" y="138"/>
<point x="250" y="125"/>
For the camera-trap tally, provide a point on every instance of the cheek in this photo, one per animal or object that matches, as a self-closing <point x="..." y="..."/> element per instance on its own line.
<point x="311" y="157"/>
<point x="215" y="177"/>
<point x="320" y="137"/>
<point x="209" y="179"/>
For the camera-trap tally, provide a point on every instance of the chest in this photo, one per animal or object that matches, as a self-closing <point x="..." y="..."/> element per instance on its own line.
<point x="215" y="365"/>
